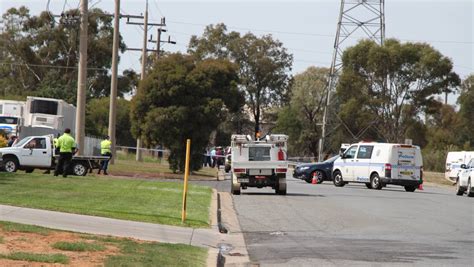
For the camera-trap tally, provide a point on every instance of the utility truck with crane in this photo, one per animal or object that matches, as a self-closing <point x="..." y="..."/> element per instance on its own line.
<point x="259" y="163"/>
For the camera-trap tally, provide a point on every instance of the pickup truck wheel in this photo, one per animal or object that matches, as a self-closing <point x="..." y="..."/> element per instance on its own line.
<point x="29" y="170"/>
<point x="369" y="185"/>
<point x="470" y="192"/>
<point x="410" y="188"/>
<point x="235" y="186"/>
<point x="459" y="189"/>
<point x="338" y="181"/>
<point x="280" y="187"/>
<point x="79" y="169"/>
<point x="375" y="181"/>
<point x="10" y="164"/>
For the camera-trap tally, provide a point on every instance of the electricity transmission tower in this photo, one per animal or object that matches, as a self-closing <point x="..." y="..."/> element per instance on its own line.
<point x="355" y="16"/>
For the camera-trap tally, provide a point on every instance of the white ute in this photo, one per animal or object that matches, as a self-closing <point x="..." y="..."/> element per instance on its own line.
<point x="464" y="181"/>
<point x="379" y="164"/>
<point x="259" y="163"/>
<point x="37" y="152"/>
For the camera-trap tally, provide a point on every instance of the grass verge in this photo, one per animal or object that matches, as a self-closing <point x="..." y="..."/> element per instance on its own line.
<point x="36" y="257"/>
<point x="436" y="178"/>
<point x="23" y="228"/>
<point x="137" y="200"/>
<point x="78" y="246"/>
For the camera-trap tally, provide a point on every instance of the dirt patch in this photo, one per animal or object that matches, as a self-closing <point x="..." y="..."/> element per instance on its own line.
<point x="38" y="243"/>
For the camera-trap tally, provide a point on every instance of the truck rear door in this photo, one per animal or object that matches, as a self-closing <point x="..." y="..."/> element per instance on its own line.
<point x="406" y="166"/>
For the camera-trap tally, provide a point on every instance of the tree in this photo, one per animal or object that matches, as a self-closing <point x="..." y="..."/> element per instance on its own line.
<point x="182" y="98"/>
<point x="466" y="112"/>
<point x="301" y="119"/>
<point x="263" y="65"/>
<point x="97" y="120"/>
<point x="39" y="56"/>
<point x="390" y="85"/>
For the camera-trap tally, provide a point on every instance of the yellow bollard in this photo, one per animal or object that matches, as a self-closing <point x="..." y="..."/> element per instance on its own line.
<point x="186" y="174"/>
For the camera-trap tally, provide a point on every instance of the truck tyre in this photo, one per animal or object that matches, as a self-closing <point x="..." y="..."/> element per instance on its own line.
<point x="375" y="182"/>
<point x="280" y="187"/>
<point x="410" y="188"/>
<point x="338" y="181"/>
<point x="79" y="169"/>
<point x="369" y="185"/>
<point x="235" y="186"/>
<point x="470" y="192"/>
<point x="459" y="189"/>
<point x="10" y="164"/>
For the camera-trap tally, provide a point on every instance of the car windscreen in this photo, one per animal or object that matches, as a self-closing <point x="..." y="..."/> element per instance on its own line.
<point x="259" y="153"/>
<point x="8" y="120"/>
<point x="21" y="142"/>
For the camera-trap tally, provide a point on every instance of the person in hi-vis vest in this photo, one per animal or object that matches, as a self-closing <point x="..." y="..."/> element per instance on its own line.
<point x="105" y="150"/>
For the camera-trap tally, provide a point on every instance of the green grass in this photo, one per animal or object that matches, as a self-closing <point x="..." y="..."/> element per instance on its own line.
<point x="78" y="246"/>
<point x="436" y="178"/>
<point x="138" y="200"/>
<point x="157" y="254"/>
<point x="23" y="228"/>
<point x="36" y="257"/>
<point x="126" y="163"/>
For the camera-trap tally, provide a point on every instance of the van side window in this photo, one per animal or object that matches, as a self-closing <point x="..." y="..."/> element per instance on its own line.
<point x="350" y="153"/>
<point x="365" y="152"/>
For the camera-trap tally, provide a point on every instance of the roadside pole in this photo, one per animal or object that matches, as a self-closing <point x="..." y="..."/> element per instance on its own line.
<point x="113" y="85"/>
<point x="138" y="155"/>
<point x="186" y="175"/>
<point x="82" y="79"/>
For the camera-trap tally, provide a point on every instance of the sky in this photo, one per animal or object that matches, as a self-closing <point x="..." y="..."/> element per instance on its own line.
<point x="306" y="28"/>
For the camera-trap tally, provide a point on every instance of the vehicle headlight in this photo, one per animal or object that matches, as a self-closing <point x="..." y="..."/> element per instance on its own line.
<point x="303" y="168"/>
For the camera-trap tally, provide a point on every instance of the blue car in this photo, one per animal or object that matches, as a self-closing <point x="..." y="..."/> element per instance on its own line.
<point x="322" y="170"/>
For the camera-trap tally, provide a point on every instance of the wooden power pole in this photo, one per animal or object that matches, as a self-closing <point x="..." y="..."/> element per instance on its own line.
<point x="82" y="79"/>
<point x="113" y="83"/>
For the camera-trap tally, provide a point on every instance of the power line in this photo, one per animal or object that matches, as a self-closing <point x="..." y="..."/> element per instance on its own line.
<point x="314" y="34"/>
<point x="48" y="66"/>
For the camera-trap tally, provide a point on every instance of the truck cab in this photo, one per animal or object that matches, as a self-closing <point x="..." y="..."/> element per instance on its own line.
<point x="30" y="152"/>
<point x="259" y="163"/>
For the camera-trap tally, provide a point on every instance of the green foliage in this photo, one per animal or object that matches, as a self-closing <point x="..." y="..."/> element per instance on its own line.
<point x="182" y="98"/>
<point x="384" y="88"/>
<point x="97" y="120"/>
<point x="157" y="254"/>
<point x="78" y="246"/>
<point x="136" y="200"/>
<point x="39" y="55"/>
<point x="23" y="228"/>
<point x="466" y="113"/>
<point x="36" y="257"/>
<point x="301" y="120"/>
<point x="263" y="65"/>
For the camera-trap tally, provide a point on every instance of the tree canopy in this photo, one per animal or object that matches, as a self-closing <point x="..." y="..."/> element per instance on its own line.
<point x="39" y="55"/>
<point x="184" y="98"/>
<point x="390" y="85"/>
<point x="263" y="65"/>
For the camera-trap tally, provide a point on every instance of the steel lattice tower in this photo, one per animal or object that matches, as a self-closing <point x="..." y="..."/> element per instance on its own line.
<point x="356" y="16"/>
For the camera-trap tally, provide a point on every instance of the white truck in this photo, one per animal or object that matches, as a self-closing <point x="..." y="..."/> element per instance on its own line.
<point x="454" y="160"/>
<point x="259" y="163"/>
<point x="465" y="179"/>
<point x="379" y="164"/>
<point x="49" y="113"/>
<point x="37" y="152"/>
<point x="11" y="116"/>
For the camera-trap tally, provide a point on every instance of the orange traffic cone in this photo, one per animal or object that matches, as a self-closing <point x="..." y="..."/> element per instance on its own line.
<point x="420" y="187"/>
<point x="314" y="180"/>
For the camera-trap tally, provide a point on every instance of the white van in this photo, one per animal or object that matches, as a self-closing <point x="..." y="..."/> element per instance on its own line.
<point x="379" y="164"/>
<point x="454" y="160"/>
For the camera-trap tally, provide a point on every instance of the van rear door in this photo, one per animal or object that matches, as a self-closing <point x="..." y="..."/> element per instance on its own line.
<point x="408" y="166"/>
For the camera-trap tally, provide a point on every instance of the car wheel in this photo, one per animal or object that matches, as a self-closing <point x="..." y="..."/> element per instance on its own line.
<point x="338" y="181"/>
<point x="319" y="177"/>
<point x="10" y="164"/>
<point x="79" y="169"/>
<point x="375" y="182"/>
<point x="29" y="170"/>
<point x="410" y="188"/>
<point x="470" y="192"/>
<point x="459" y="189"/>
<point x="369" y="186"/>
<point x="235" y="187"/>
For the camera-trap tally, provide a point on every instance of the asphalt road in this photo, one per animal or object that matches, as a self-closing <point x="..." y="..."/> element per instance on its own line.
<point x="321" y="225"/>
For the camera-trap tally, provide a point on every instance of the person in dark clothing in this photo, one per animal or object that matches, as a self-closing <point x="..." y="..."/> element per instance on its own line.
<point x="12" y="140"/>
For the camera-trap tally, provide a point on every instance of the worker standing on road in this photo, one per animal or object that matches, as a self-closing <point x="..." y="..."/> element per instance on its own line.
<point x="67" y="146"/>
<point x="105" y="150"/>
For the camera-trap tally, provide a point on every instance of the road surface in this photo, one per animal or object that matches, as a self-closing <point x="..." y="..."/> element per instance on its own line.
<point x="321" y="225"/>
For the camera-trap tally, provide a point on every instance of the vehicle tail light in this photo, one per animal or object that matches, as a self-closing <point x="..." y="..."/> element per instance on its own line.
<point x="388" y="170"/>
<point x="239" y="170"/>
<point x="280" y="170"/>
